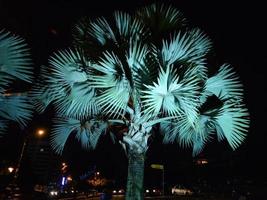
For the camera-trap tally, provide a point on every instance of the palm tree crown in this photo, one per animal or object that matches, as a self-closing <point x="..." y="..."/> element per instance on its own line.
<point x="136" y="71"/>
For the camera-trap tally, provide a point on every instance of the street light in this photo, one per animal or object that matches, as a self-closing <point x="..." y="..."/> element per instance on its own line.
<point x="40" y="132"/>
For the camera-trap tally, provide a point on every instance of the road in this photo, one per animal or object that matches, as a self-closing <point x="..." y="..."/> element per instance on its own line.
<point x="121" y="197"/>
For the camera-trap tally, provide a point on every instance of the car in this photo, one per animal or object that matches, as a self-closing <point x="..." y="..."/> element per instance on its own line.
<point x="181" y="190"/>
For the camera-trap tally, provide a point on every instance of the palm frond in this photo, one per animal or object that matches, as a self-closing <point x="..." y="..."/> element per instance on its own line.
<point x="161" y="95"/>
<point x="168" y="132"/>
<point x="190" y="48"/>
<point x="128" y="27"/>
<point x="232" y="123"/>
<point x="173" y="96"/>
<point x="101" y="31"/>
<point x="225" y="83"/>
<point x="161" y="18"/>
<point x="137" y="55"/>
<point x="16" y="107"/>
<point x="90" y="133"/>
<point x="14" y="59"/>
<point x="114" y="84"/>
<point x="70" y="74"/>
<point x="42" y="92"/>
<point x="198" y="146"/>
<point x="87" y="132"/>
<point x="61" y="131"/>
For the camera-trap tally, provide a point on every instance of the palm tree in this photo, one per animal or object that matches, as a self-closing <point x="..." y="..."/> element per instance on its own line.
<point x="15" y="65"/>
<point x="134" y="72"/>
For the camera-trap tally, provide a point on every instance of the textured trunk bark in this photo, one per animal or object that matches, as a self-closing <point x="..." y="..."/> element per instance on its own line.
<point x="135" y="177"/>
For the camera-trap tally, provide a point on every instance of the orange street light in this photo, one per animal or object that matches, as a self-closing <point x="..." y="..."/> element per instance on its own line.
<point x="40" y="132"/>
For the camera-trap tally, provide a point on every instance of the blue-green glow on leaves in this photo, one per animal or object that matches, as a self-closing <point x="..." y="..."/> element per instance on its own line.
<point x="87" y="132"/>
<point x="188" y="47"/>
<point x="137" y="77"/>
<point x="15" y="64"/>
<point x="224" y="83"/>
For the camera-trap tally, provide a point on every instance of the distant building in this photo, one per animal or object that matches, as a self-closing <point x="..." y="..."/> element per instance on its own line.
<point x="43" y="163"/>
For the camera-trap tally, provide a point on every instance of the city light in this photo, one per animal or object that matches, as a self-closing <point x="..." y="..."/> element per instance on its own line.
<point x="63" y="180"/>
<point x="40" y="132"/>
<point x="10" y="169"/>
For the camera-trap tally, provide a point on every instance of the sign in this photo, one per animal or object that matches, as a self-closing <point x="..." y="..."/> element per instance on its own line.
<point x="157" y="166"/>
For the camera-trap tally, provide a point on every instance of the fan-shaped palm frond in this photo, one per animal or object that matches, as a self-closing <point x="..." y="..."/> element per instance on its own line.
<point x="224" y="83"/>
<point x="129" y="28"/>
<point x="15" y="64"/>
<point x="87" y="132"/>
<point x="70" y="72"/>
<point x="100" y="35"/>
<point x="14" y="59"/>
<point x="232" y="123"/>
<point x="196" y="136"/>
<point x="43" y="93"/>
<point x="148" y="70"/>
<point x="172" y="96"/>
<point x="114" y="83"/>
<point x="188" y="48"/>
<point x="228" y="122"/>
<point x="16" y="107"/>
<point x="161" y="19"/>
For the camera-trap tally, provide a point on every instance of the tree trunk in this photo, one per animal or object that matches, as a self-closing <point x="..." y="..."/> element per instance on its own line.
<point x="135" y="177"/>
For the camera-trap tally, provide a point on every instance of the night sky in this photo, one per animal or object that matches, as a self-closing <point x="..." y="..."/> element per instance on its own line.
<point x="239" y="38"/>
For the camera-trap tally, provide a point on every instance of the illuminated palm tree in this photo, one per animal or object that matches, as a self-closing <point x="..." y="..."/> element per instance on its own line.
<point x="15" y="64"/>
<point x="134" y="73"/>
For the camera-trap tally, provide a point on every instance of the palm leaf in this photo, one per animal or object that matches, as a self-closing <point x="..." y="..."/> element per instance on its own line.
<point x="187" y="48"/>
<point x="172" y="96"/>
<point x="224" y="83"/>
<point x="42" y="92"/>
<point x="161" y="19"/>
<point x="61" y="132"/>
<point x="101" y="31"/>
<point x="70" y="73"/>
<point x="232" y="123"/>
<point x="114" y="83"/>
<point x="16" y="107"/>
<point x="129" y="28"/>
<point x="14" y="59"/>
<point x="87" y="132"/>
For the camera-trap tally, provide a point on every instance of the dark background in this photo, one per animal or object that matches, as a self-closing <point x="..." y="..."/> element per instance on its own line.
<point x="239" y="38"/>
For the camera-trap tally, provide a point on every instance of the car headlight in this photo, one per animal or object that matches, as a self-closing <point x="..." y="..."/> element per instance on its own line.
<point x="53" y="193"/>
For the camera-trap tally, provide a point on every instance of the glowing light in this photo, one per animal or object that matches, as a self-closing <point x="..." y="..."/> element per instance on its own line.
<point x="63" y="180"/>
<point x="40" y="132"/>
<point x="10" y="169"/>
